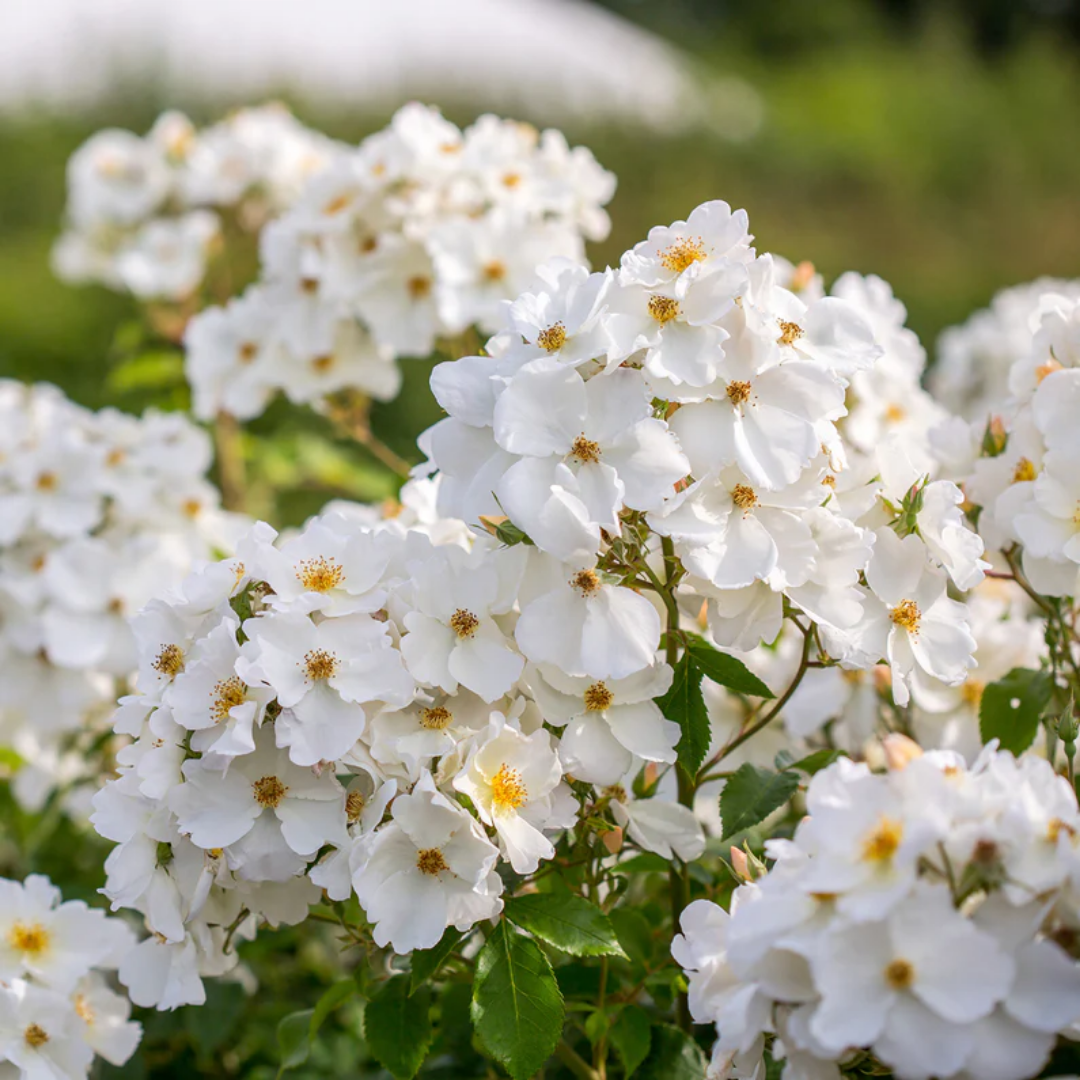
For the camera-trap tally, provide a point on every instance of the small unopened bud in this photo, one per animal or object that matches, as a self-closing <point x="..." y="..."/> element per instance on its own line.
<point x="740" y="864"/>
<point x="613" y="840"/>
<point x="1067" y="726"/>
<point x="804" y="274"/>
<point x="900" y="751"/>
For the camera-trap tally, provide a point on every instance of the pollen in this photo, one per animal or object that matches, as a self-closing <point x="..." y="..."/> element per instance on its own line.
<point x="744" y="496"/>
<point x="169" y="661"/>
<point x="82" y="1009"/>
<point x="894" y="414"/>
<point x="553" y="338"/>
<point x="494" y="270"/>
<point x="309" y="285"/>
<point x="368" y="244"/>
<point x="418" y="287"/>
<point x="31" y="939"/>
<point x="971" y="692"/>
<point x="598" y="698"/>
<point x="431" y="861"/>
<point x="882" y="844"/>
<point x="738" y="391"/>
<point x="115" y="457"/>
<point x="436" y="718"/>
<point x="1025" y="470"/>
<point x="47" y="481"/>
<point x="616" y="792"/>
<point x="899" y="974"/>
<point x="1048" y="368"/>
<point x="828" y="480"/>
<point x="227" y="694"/>
<point x="585" y="450"/>
<point x="269" y="791"/>
<point x="247" y="352"/>
<point x="789" y="333"/>
<point x="322" y="364"/>
<point x="683" y="253"/>
<point x="907" y="616"/>
<point x="511" y="180"/>
<point x="338" y="203"/>
<point x="587" y="582"/>
<point x="663" y="309"/>
<point x="507" y="789"/>
<point x="320" y="574"/>
<point x="464" y="623"/>
<point x="1055" y="827"/>
<point x="35" y="1036"/>
<point x="320" y="664"/>
<point x="354" y="806"/>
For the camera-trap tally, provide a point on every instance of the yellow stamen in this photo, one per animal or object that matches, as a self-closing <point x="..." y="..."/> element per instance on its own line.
<point x="507" y="790"/>
<point x="418" y="287"/>
<point x="907" y="616"/>
<point x="553" y="338"/>
<point x="585" y="450"/>
<point x="269" y="791"/>
<point x="598" y="698"/>
<point x="431" y="861"/>
<point x="1025" y="470"/>
<point x="30" y="939"/>
<point x="663" y="309"/>
<point x="738" y="391"/>
<point x="227" y="694"/>
<point x="789" y="333"/>
<point x="464" y="623"/>
<point x="169" y="661"/>
<point x="899" y="974"/>
<point x="320" y="574"/>
<point x="683" y="253"/>
<point x="587" y="582"/>
<point x="882" y="844"/>
<point x="494" y="270"/>
<point x="354" y="806"/>
<point x="320" y="664"/>
<point x="35" y="1036"/>
<point x="744" y="496"/>
<point x="436" y="718"/>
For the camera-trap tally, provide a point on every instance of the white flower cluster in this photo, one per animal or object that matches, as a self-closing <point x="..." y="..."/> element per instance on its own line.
<point x="98" y="512"/>
<point x="144" y="212"/>
<point x="927" y="915"/>
<point x="56" y="1009"/>
<point x="419" y="233"/>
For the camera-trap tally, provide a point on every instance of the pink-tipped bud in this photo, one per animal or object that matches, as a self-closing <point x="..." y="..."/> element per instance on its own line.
<point x="900" y="751"/>
<point x="740" y="864"/>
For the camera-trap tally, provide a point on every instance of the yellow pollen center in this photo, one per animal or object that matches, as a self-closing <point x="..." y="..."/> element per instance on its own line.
<point x="322" y="364"/>
<point x="881" y="845"/>
<point x="894" y="414"/>
<point x="553" y="338"/>
<point x="431" y="861"/>
<point x="1048" y="368"/>
<point x="738" y="391"/>
<point x="247" y="352"/>
<point x="169" y="661"/>
<point x="418" y="287"/>
<point x="744" y="496"/>
<point x="789" y="333"/>
<point x="436" y="718"/>
<point x="338" y="203"/>
<point x="82" y="1009"/>
<point x="464" y="623"/>
<point x="1025" y="470"/>
<point x="587" y="582"/>
<point x="907" y="616"/>
<point x="269" y="791"/>
<point x="227" y="695"/>
<point x="663" y="309"/>
<point x="320" y="574"/>
<point x="115" y="457"/>
<point x="309" y="285"/>
<point x="828" y="480"/>
<point x="683" y="253"/>
<point x="1055" y="827"/>
<point x="899" y="974"/>
<point x="598" y="698"/>
<point x="507" y="790"/>
<point x="354" y="806"/>
<point x="47" y="481"/>
<point x="494" y="270"/>
<point x="320" y="664"/>
<point x="35" y="1036"/>
<point x="31" y="939"/>
<point x="585" y="450"/>
<point x="971" y="692"/>
<point x="368" y="244"/>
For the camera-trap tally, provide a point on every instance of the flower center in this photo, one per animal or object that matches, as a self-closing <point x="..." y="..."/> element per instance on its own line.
<point x="338" y="203"/>
<point x="663" y="309"/>
<point x="616" y="792"/>
<point x="247" y="352"/>
<point x="1055" y="827"/>
<point x="47" y="481"/>
<point x="320" y="574"/>
<point x="1048" y="368"/>
<point x="228" y="693"/>
<point x="464" y="623"/>
<point x="683" y="253"/>
<point x="598" y="698"/>
<point x="881" y="845"/>
<point x="35" y="1036"/>
<point x="744" y="496"/>
<point x="431" y="861"/>
<point x="32" y="939"/>
<point x="269" y="791"/>
<point x="354" y="806"/>
<point x="907" y="615"/>
<point x="169" y="661"/>
<point x="418" y="287"/>
<point x="553" y="338"/>
<point x="82" y="1009"/>
<point x="320" y="664"/>
<point x="507" y="790"/>
<point x="1025" y="470"/>
<point x="789" y="333"/>
<point x="436" y="718"/>
<point x="494" y="270"/>
<point x="585" y="450"/>
<point x="322" y="364"/>
<point x="738" y="391"/>
<point x="971" y="692"/>
<point x="899" y="974"/>
<point x="511" y="180"/>
<point x="587" y="582"/>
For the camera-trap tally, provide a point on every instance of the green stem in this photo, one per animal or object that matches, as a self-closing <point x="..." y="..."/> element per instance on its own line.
<point x="575" y="1062"/>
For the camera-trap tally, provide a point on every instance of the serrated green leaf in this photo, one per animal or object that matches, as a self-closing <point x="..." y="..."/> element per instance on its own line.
<point x="815" y="762"/>
<point x="672" y="1056"/>
<point x="635" y="934"/>
<point x="398" y="1028"/>
<point x="567" y="922"/>
<point x="426" y="962"/>
<point x="1011" y="708"/>
<point x="294" y="1041"/>
<point x="517" y="1008"/>
<point x="725" y="670"/>
<point x="751" y="794"/>
<point x="684" y="705"/>
<point x="631" y="1037"/>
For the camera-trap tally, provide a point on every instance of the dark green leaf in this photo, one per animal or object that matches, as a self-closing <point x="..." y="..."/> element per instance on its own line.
<point x="645" y="863"/>
<point x="684" y="705"/>
<point x="815" y="762"/>
<point x="725" y="670"/>
<point x="631" y="1037"/>
<point x="294" y="1039"/>
<point x="336" y="996"/>
<point x="398" y="1027"/>
<point x="635" y="934"/>
<point x="672" y="1056"/>
<point x="517" y="1008"/>
<point x="751" y="794"/>
<point x="1011" y="708"/>
<point x="567" y="922"/>
<point x="426" y="962"/>
<point x="210" y="1025"/>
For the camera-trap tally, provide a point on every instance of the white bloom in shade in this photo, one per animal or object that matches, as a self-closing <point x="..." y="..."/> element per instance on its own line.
<point x="218" y="808"/>
<point x="511" y="779"/>
<point x="587" y="627"/>
<point x="660" y="825"/>
<point x="39" y="1035"/>
<point x="911" y="988"/>
<point x="163" y="975"/>
<point x="105" y="1018"/>
<point x="945" y="533"/>
<point x="607" y="723"/>
<point x="429" y="868"/>
<point x="322" y="672"/>
<point x="56" y="943"/>
<point x="453" y="636"/>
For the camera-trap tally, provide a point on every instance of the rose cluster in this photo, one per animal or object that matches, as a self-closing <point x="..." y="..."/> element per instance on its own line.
<point x="56" y="1009"/>
<point x="416" y="235"/>
<point x="98" y="512"/>
<point x="926" y="914"/>
<point x="145" y="213"/>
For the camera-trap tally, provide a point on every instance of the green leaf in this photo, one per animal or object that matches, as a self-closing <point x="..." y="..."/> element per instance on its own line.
<point x="147" y="371"/>
<point x="673" y="1056"/>
<point x="336" y="996"/>
<point x="635" y="934"/>
<point x="211" y="1024"/>
<point x="815" y="762"/>
<point x="1011" y="708"/>
<point x="517" y="1009"/>
<point x="294" y="1039"/>
<point x="426" y="962"/>
<point x="684" y="705"/>
<point x="751" y="795"/>
<point x="645" y="863"/>
<point x="566" y="922"/>
<point x="398" y="1028"/>
<point x="631" y="1037"/>
<point x="11" y="759"/>
<point x="725" y="670"/>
